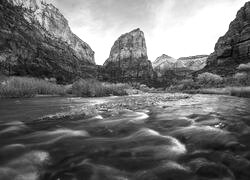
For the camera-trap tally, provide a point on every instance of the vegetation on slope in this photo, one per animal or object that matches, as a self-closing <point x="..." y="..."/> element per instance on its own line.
<point x="28" y="87"/>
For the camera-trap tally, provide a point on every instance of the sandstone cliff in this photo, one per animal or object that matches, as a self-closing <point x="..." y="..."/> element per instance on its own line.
<point x="164" y="61"/>
<point x="36" y="40"/>
<point x="128" y="58"/>
<point x="233" y="48"/>
<point x="185" y="64"/>
<point x="194" y="63"/>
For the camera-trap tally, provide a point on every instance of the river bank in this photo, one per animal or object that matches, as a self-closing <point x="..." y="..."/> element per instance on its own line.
<point x="232" y="91"/>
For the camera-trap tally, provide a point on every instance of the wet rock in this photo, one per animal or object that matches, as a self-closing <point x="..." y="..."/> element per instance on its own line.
<point x="167" y="171"/>
<point x="146" y="147"/>
<point x="239" y="165"/>
<point x="205" y="137"/>
<point x="26" y="167"/>
<point x="210" y="171"/>
<point x="9" y="174"/>
<point x="143" y="149"/>
<point x="11" y="151"/>
<point x="89" y="171"/>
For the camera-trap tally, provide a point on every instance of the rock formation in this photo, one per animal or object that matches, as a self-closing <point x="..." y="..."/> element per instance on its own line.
<point x="194" y="63"/>
<point x="184" y="64"/>
<point x="164" y="62"/>
<point x="128" y="60"/>
<point x="36" y="40"/>
<point x="233" y="48"/>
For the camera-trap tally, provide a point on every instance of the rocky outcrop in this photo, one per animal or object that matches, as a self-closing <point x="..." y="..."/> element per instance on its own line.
<point x="164" y="62"/>
<point x="233" y="48"/>
<point x="128" y="60"/>
<point x="36" y="40"/>
<point x="182" y="65"/>
<point x="194" y="63"/>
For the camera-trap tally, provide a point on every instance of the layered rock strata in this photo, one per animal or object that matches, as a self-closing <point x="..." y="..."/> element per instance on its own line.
<point x="128" y="60"/>
<point x="36" y="40"/>
<point x="233" y="48"/>
<point x="184" y="64"/>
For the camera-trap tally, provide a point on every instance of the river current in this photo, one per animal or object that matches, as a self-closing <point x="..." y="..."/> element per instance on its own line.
<point x="203" y="137"/>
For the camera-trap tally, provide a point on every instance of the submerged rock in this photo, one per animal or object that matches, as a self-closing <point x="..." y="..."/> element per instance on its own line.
<point x="169" y="170"/>
<point x="205" y="137"/>
<point x="207" y="170"/>
<point x="26" y="167"/>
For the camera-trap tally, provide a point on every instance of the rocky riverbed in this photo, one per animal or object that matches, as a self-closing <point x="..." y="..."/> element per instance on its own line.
<point x="147" y="136"/>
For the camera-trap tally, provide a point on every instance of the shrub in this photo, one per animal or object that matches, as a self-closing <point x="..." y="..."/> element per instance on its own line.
<point x="94" y="88"/>
<point x="188" y="84"/>
<point x="241" y="78"/>
<point x="209" y="79"/>
<point x="28" y="87"/>
<point x="244" y="67"/>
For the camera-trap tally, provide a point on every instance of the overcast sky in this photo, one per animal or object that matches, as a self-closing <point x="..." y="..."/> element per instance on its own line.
<point x="174" y="27"/>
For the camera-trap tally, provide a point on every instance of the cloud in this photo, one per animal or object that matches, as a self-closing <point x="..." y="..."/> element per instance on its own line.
<point x="174" y="27"/>
<point x="110" y="13"/>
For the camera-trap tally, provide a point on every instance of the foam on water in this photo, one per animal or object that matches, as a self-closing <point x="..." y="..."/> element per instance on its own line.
<point x="169" y="147"/>
<point x="138" y="116"/>
<point x="68" y="132"/>
<point x="13" y="127"/>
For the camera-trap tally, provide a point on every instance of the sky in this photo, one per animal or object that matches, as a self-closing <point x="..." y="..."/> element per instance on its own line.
<point x="177" y="28"/>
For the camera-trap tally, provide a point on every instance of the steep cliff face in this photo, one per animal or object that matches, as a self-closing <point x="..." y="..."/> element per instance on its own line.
<point x="194" y="63"/>
<point x="128" y="58"/>
<point x="234" y="47"/>
<point x="185" y="64"/>
<point x="164" y="61"/>
<point x="35" y="39"/>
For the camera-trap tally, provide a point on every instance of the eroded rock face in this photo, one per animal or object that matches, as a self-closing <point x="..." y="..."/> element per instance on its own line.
<point x="36" y="40"/>
<point x="164" y="62"/>
<point x="233" y="48"/>
<point x="194" y="63"/>
<point x="128" y="58"/>
<point x="167" y="63"/>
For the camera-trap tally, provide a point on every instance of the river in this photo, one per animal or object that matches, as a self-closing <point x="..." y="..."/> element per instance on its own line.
<point x="202" y="137"/>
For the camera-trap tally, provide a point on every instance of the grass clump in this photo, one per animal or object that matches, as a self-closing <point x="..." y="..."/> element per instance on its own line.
<point x="14" y="87"/>
<point x="94" y="88"/>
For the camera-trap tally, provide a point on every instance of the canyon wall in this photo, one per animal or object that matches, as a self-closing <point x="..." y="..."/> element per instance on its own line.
<point x="36" y="40"/>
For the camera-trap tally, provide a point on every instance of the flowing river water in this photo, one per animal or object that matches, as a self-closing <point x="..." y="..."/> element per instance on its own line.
<point x="201" y="137"/>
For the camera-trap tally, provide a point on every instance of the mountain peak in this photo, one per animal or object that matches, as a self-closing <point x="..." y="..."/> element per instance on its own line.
<point x="128" y="57"/>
